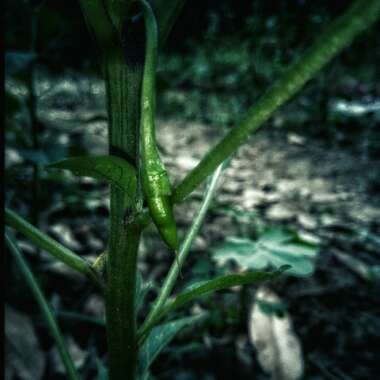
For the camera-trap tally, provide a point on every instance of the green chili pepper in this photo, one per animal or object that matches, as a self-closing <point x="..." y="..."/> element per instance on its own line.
<point x="155" y="180"/>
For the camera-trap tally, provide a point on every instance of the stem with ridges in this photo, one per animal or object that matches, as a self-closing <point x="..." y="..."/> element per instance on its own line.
<point x="122" y="84"/>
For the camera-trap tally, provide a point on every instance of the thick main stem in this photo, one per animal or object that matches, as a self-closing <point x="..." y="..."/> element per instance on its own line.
<point x="123" y="87"/>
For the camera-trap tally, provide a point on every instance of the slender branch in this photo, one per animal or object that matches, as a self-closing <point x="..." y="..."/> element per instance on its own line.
<point x="175" y="269"/>
<point x="51" y="246"/>
<point x="34" y="122"/>
<point x="360" y="15"/>
<point x="45" y="309"/>
<point x="218" y="283"/>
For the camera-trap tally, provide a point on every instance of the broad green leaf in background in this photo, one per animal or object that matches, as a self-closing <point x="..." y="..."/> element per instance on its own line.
<point x="274" y="248"/>
<point x="110" y="168"/>
<point x="159" y="338"/>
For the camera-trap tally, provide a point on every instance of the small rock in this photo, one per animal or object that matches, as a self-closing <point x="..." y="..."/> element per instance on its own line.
<point x="293" y="138"/>
<point x="279" y="212"/>
<point x="12" y="157"/>
<point x="252" y="198"/>
<point x="325" y="197"/>
<point x="328" y="220"/>
<point x="187" y="163"/>
<point x="307" y="221"/>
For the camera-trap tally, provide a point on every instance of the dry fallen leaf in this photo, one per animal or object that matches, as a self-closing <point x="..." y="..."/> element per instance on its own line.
<point x="278" y="348"/>
<point x="23" y="357"/>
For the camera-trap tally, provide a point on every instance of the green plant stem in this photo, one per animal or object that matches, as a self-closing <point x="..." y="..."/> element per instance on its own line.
<point x="48" y="315"/>
<point x="123" y="92"/>
<point x="218" y="283"/>
<point x="360" y="15"/>
<point x="32" y="106"/>
<point x="50" y="245"/>
<point x="177" y="264"/>
<point x="123" y="81"/>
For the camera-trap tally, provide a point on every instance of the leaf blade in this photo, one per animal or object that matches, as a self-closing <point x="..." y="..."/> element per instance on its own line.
<point x="220" y="283"/>
<point x="159" y="337"/>
<point x="274" y="248"/>
<point x="112" y="169"/>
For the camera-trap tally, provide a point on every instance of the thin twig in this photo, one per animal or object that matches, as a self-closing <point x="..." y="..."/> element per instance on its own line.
<point x="72" y="373"/>
<point x="177" y="264"/>
<point x="51" y="246"/>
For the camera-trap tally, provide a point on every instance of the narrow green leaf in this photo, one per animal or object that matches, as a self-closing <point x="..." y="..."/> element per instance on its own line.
<point x="51" y="323"/>
<point x="51" y="246"/>
<point x="223" y="282"/>
<point x="109" y="168"/>
<point x="159" y="338"/>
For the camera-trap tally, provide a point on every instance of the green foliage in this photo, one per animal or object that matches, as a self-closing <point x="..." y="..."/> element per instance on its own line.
<point x="276" y="247"/>
<point x="223" y="282"/>
<point x="109" y="168"/>
<point x="55" y="331"/>
<point x="159" y="338"/>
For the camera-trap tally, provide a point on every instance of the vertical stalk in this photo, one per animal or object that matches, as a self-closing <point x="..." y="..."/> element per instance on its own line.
<point x="123" y="87"/>
<point x="32" y="106"/>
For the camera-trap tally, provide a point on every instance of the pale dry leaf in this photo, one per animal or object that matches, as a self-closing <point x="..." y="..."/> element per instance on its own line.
<point x="23" y="357"/>
<point x="278" y="348"/>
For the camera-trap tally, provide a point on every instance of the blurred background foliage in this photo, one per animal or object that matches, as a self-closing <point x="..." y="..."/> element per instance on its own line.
<point x="311" y="175"/>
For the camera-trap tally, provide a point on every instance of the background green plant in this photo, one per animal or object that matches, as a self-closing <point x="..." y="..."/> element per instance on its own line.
<point x="192" y="184"/>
